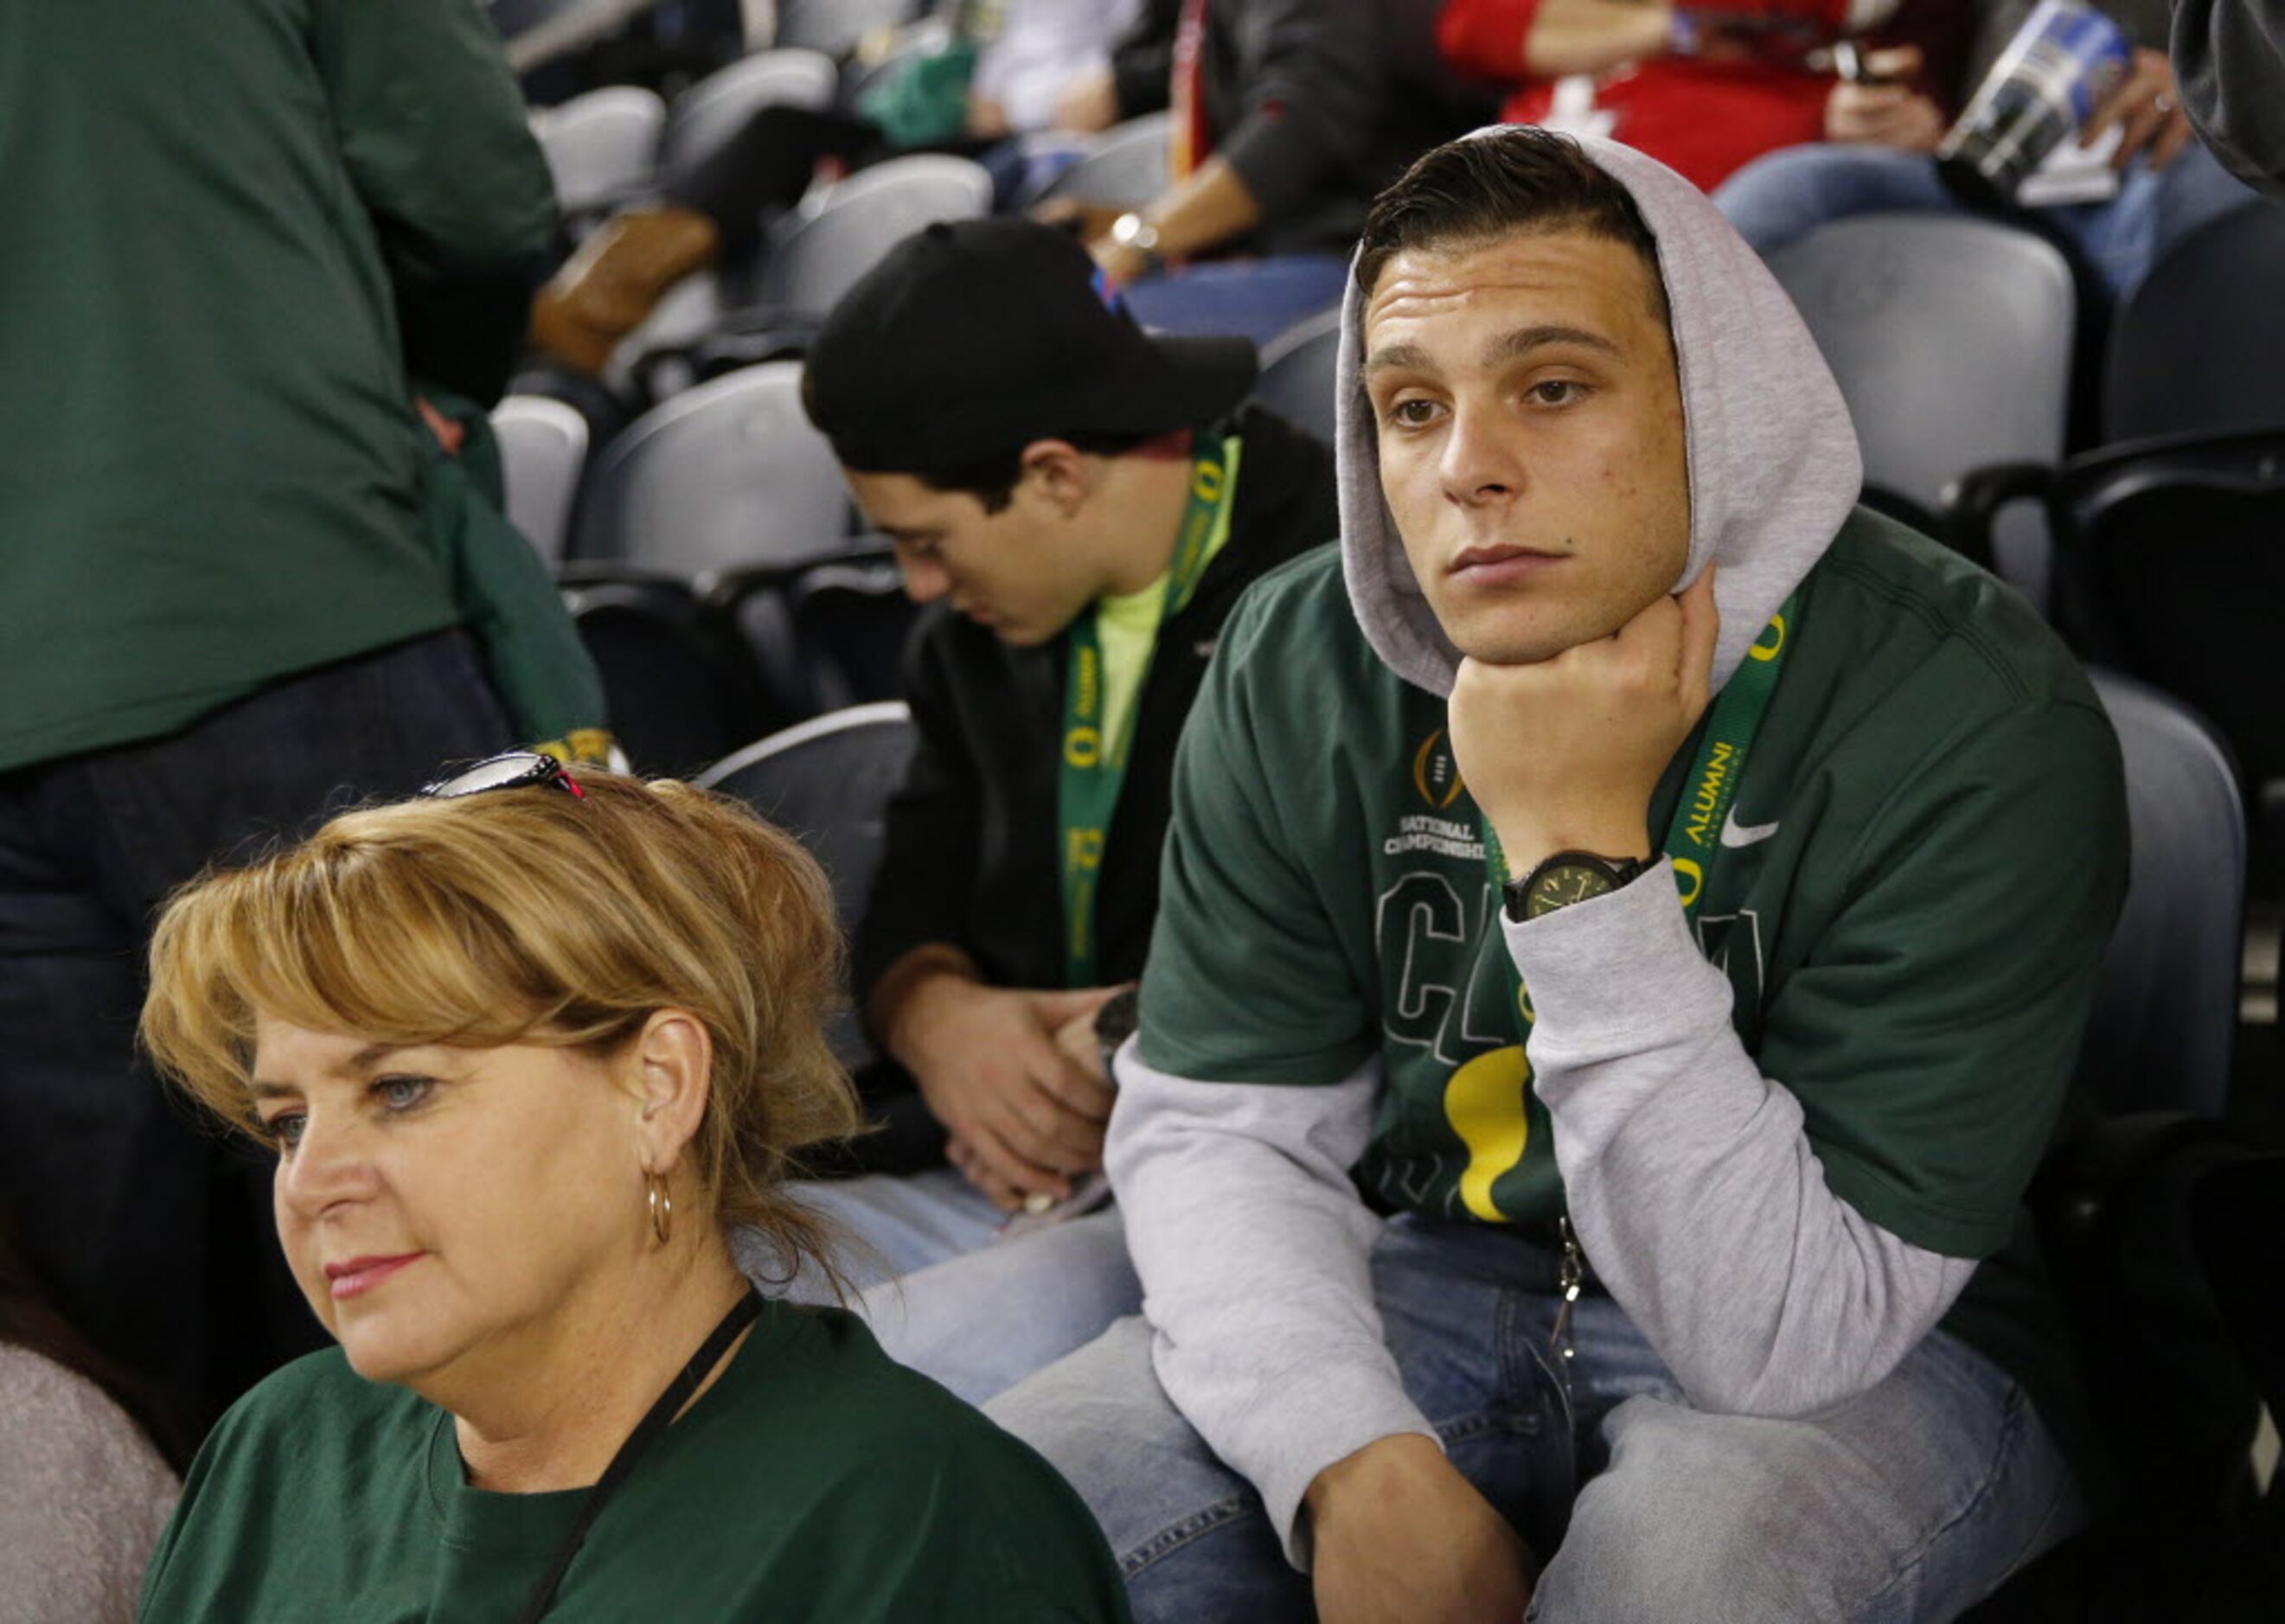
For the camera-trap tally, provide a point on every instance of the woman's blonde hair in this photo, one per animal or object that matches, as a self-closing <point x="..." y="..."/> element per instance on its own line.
<point x="529" y="916"/>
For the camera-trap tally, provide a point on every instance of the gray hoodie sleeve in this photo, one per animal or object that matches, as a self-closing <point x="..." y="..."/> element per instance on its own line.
<point x="1691" y="1182"/>
<point x="1252" y="1248"/>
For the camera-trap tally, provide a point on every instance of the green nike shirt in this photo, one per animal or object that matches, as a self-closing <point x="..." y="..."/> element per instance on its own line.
<point x="1910" y="899"/>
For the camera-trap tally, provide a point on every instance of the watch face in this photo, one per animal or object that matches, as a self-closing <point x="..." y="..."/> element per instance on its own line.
<point x="1558" y="885"/>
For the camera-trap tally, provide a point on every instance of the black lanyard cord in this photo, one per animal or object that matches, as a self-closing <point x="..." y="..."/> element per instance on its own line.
<point x="662" y="1415"/>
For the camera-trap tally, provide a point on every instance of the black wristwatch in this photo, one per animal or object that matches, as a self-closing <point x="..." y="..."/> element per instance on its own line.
<point x="1116" y="1022"/>
<point x="1565" y="878"/>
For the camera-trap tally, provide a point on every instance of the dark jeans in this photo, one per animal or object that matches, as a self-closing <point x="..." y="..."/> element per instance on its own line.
<point x="764" y="169"/>
<point x="152" y="1227"/>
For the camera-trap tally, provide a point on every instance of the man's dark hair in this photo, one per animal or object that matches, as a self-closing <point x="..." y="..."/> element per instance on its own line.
<point x="1481" y="188"/>
<point x="992" y="478"/>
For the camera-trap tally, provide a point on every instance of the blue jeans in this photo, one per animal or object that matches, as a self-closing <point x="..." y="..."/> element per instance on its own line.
<point x="952" y="1298"/>
<point x="156" y="1231"/>
<point x="1246" y="298"/>
<point x="1788" y="194"/>
<point x="1909" y="1502"/>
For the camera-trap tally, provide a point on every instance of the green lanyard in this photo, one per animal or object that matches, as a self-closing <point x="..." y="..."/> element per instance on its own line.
<point x="1695" y="835"/>
<point x="1087" y="793"/>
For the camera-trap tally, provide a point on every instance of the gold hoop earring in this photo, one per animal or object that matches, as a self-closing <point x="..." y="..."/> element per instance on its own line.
<point x="662" y="1207"/>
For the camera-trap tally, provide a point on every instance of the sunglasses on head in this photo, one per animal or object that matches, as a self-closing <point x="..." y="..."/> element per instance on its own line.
<point x="509" y="769"/>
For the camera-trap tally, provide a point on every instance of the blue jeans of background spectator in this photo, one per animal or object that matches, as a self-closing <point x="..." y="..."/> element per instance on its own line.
<point x="1790" y="192"/>
<point x="1244" y="298"/>
<point x="950" y="1297"/>
<point x="158" y="1232"/>
<point x="1908" y="1501"/>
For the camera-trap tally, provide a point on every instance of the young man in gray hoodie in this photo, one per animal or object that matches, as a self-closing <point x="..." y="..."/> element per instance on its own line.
<point x="1626" y="930"/>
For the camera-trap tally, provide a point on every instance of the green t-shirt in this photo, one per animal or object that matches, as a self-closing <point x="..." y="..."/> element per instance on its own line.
<point x="1127" y="625"/>
<point x="212" y="474"/>
<point x="816" y="1480"/>
<point x="1910" y="902"/>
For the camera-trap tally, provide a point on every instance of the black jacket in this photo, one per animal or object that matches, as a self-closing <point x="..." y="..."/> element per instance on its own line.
<point x="1316" y="104"/>
<point x="972" y="837"/>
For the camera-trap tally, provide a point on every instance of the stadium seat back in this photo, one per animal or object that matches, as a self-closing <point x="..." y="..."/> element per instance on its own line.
<point x="828" y="781"/>
<point x="673" y="702"/>
<point x="514" y="17"/>
<point x="542" y="451"/>
<point x="726" y="474"/>
<point x="686" y="315"/>
<point x="600" y="145"/>
<point x="708" y="115"/>
<point x="2172" y="568"/>
<point x="1124" y="168"/>
<point x="2200" y="346"/>
<point x="1301" y="372"/>
<point x="763" y="621"/>
<point x="850" y="621"/>
<point x="2161" y="1032"/>
<point x="836" y="27"/>
<point x="1951" y="337"/>
<point x="842" y="232"/>
<point x="860" y="78"/>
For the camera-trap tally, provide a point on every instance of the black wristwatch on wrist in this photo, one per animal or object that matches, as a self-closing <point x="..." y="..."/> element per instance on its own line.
<point x="1116" y="1022"/>
<point x="1565" y="878"/>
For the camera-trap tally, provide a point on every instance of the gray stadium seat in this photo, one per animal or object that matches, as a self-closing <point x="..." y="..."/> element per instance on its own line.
<point x="1299" y="370"/>
<point x="542" y="451"/>
<point x="2168" y="566"/>
<point x="2117" y="1202"/>
<point x="828" y="780"/>
<point x="836" y="27"/>
<point x="710" y="113"/>
<point x="839" y="234"/>
<point x="726" y="474"/>
<point x="827" y="783"/>
<point x="686" y="313"/>
<point x="1125" y="167"/>
<point x="842" y="231"/>
<point x="2199" y="348"/>
<point x="677" y="695"/>
<point x="602" y="146"/>
<point x="2160" y="1034"/>
<point x="1952" y="338"/>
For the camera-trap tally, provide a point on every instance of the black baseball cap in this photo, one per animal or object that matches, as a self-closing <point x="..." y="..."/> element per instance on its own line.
<point x="974" y="337"/>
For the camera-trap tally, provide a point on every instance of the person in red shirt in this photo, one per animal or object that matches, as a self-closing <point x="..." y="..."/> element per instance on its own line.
<point x="1706" y="88"/>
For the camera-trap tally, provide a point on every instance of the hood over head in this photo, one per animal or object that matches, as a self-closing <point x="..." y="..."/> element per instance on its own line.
<point x="1773" y="463"/>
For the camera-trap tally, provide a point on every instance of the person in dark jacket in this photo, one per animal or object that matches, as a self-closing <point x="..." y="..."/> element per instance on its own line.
<point x="2230" y="60"/>
<point x="1080" y="505"/>
<point x="1287" y="116"/>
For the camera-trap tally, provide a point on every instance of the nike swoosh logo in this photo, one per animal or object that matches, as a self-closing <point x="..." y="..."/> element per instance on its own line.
<point x="1735" y="834"/>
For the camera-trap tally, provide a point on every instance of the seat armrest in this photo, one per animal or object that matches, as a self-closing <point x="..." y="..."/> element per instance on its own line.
<point x="743" y="337"/>
<point x="722" y="591"/>
<point x="1973" y="505"/>
<point x="615" y="572"/>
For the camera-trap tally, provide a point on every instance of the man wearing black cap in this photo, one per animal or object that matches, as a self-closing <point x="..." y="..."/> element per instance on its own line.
<point x="1079" y="504"/>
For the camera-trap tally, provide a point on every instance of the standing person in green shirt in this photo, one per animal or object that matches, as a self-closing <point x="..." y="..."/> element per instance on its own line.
<point x="1629" y="919"/>
<point x="524" y="1047"/>
<point x="243" y="581"/>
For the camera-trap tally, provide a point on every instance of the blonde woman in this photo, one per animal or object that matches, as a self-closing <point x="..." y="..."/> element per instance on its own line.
<point x="525" y="1047"/>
